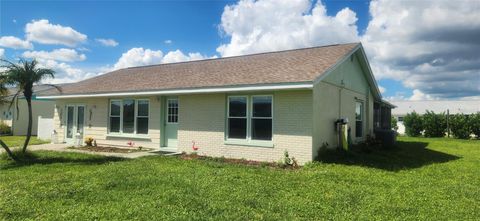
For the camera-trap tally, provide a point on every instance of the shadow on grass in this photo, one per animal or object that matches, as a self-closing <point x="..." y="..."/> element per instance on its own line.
<point x="406" y="155"/>
<point x="47" y="157"/>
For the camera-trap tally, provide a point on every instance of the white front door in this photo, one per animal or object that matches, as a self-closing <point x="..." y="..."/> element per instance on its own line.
<point x="75" y="121"/>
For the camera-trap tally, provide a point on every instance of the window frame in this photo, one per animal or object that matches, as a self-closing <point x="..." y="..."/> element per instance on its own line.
<point x="121" y="116"/>
<point x="166" y="114"/>
<point x="249" y="116"/>
<point x="249" y="126"/>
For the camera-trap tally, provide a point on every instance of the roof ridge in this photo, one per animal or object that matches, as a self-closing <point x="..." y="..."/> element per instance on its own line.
<point x="237" y="56"/>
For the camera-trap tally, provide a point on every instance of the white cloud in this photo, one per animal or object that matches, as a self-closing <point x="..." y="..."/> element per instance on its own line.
<point x="42" y="31"/>
<point x="168" y="41"/>
<point x="382" y="89"/>
<point x="62" y="54"/>
<point x="65" y="73"/>
<point x="14" y="21"/>
<point x="107" y="42"/>
<point x="15" y="43"/>
<point x="140" y="56"/>
<point x="2" y="52"/>
<point x="420" y="96"/>
<point x="441" y="60"/>
<point x="268" y="25"/>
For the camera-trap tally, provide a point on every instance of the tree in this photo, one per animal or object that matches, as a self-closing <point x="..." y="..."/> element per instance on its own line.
<point x="394" y="124"/>
<point x="23" y="76"/>
<point x="413" y="124"/>
<point x="435" y="125"/>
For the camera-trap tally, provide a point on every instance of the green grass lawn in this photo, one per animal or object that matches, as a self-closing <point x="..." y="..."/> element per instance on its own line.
<point x="16" y="141"/>
<point x="423" y="179"/>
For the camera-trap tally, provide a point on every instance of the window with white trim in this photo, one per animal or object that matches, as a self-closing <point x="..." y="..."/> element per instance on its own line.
<point x="172" y="111"/>
<point x="358" y="119"/>
<point x="129" y="116"/>
<point x="250" y="117"/>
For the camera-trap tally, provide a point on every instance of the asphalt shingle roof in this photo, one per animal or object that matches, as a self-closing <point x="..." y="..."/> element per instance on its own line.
<point x="291" y="66"/>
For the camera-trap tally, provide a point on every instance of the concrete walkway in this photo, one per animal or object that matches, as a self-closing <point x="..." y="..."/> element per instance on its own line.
<point x="63" y="148"/>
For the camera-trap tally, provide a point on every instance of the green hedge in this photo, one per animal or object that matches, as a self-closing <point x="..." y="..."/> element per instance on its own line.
<point x="413" y="124"/>
<point x="435" y="125"/>
<point x="474" y="121"/>
<point x="459" y="125"/>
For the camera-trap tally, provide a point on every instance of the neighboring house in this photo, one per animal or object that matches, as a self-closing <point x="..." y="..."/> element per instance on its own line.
<point x="421" y="107"/>
<point x="253" y="106"/>
<point x="19" y="124"/>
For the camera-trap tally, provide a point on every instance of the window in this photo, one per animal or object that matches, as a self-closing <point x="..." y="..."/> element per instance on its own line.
<point x="172" y="111"/>
<point x="115" y="107"/>
<point x="250" y="122"/>
<point x="358" y="119"/>
<point x="237" y="117"/>
<point x="142" y="117"/>
<point x="129" y="116"/>
<point x="400" y="119"/>
<point x="261" y="118"/>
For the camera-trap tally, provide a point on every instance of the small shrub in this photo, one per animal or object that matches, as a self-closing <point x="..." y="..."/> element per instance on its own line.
<point x="89" y="141"/>
<point x="413" y="124"/>
<point x="288" y="161"/>
<point x="474" y="122"/>
<point x="5" y="129"/>
<point x="435" y="125"/>
<point x="459" y="125"/>
<point x="322" y="149"/>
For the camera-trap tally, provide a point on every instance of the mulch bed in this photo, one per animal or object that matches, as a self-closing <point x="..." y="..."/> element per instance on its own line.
<point x="185" y="156"/>
<point x="109" y="149"/>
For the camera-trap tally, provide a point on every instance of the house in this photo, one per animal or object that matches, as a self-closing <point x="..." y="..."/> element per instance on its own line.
<point x="437" y="106"/>
<point x="18" y="121"/>
<point x="253" y="106"/>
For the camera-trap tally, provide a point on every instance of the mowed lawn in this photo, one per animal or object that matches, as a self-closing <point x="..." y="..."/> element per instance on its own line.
<point x="423" y="179"/>
<point x="17" y="141"/>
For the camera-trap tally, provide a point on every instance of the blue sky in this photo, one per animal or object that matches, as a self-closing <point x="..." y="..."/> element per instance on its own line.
<point x="197" y="27"/>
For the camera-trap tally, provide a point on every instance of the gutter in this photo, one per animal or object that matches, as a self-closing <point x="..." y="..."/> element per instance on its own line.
<point x="304" y="85"/>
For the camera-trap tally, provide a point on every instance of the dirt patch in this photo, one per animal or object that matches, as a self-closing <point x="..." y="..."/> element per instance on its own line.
<point x="109" y="149"/>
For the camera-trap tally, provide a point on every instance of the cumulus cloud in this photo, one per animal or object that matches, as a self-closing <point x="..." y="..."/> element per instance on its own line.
<point x="62" y="54"/>
<point x="432" y="47"/>
<point x="140" y="56"/>
<point x="65" y="73"/>
<point x="42" y="31"/>
<point x="107" y="42"/>
<point x="15" y="43"/>
<point x="268" y="25"/>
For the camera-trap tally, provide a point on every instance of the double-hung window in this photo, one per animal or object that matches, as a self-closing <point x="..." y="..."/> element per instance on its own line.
<point x="250" y="117"/>
<point x="358" y="119"/>
<point x="129" y="116"/>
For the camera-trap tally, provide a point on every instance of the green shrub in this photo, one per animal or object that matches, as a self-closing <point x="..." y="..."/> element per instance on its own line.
<point x="5" y="129"/>
<point x="413" y="124"/>
<point x="474" y="122"/>
<point x="394" y="124"/>
<point x="435" y="125"/>
<point x="459" y="126"/>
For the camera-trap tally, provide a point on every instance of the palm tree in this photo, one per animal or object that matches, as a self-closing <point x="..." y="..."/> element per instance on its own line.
<point x="23" y="76"/>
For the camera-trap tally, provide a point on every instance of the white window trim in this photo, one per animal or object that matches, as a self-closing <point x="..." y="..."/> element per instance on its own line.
<point x="248" y="141"/>
<point x="120" y="133"/>
<point x="362" y="113"/>
<point x="166" y="112"/>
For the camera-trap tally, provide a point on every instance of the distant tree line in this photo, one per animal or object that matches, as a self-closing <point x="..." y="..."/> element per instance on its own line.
<point x="440" y="124"/>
